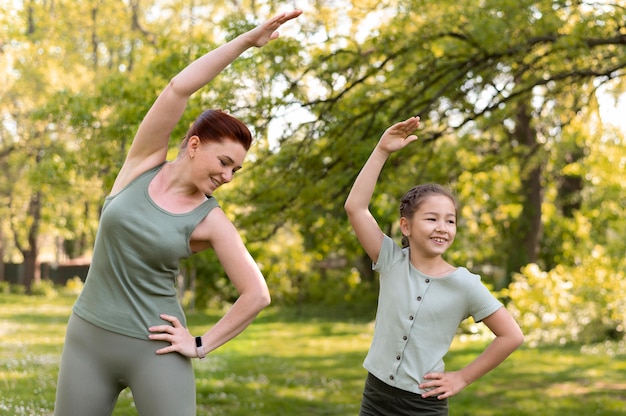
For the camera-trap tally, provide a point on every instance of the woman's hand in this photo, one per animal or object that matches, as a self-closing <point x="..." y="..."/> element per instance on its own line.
<point x="398" y="136"/>
<point x="262" y="34"/>
<point x="177" y="335"/>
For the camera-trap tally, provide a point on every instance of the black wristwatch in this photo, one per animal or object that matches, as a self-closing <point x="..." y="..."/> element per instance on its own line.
<point x="200" y="348"/>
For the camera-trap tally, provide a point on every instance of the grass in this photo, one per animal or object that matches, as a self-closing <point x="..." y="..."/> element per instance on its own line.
<point x="308" y="362"/>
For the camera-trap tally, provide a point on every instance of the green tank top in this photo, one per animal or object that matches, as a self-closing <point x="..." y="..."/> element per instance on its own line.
<point x="132" y="277"/>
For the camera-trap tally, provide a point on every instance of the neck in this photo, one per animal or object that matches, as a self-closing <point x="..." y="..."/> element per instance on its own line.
<point x="432" y="266"/>
<point x="169" y="190"/>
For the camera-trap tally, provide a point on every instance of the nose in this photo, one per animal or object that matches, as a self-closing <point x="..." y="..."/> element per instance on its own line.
<point x="227" y="176"/>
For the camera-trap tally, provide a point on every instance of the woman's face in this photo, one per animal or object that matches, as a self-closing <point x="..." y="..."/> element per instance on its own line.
<point x="433" y="226"/>
<point x="215" y="163"/>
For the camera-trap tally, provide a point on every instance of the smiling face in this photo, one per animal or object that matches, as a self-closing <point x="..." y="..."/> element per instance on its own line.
<point x="432" y="227"/>
<point x="214" y="163"/>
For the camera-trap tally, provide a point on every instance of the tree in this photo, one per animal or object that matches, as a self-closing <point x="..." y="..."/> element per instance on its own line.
<point x="506" y="92"/>
<point x="495" y="84"/>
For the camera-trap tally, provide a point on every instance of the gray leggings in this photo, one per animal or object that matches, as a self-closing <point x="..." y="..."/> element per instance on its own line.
<point x="97" y="365"/>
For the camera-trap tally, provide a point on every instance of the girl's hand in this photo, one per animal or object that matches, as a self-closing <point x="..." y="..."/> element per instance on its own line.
<point x="399" y="135"/>
<point x="443" y="385"/>
<point x="262" y="34"/>
<point x="176" y="334"/>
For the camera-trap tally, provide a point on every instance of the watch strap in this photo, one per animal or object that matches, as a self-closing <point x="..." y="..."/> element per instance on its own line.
<point x="200" y="348"/>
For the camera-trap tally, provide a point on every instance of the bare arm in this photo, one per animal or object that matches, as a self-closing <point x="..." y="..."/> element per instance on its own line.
<point x="247" y="279"/>
<point x="508" y="337"/>
<point x="245" y="275"/>
<point x="364" y="224"/>
<point x="149" y="147"/>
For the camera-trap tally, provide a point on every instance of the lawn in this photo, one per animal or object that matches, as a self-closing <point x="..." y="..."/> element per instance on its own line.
<point x="308" y="363"/>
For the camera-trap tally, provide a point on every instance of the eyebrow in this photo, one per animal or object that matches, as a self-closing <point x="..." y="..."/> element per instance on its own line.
<point x="436" y="213"/>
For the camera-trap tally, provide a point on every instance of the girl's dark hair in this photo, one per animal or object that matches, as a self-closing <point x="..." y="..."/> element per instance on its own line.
<point x="215" y="126"/>
<point x="412" y="200"/>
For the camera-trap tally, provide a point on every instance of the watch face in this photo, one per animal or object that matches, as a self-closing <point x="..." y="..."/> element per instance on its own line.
<point x="198" y="342"/>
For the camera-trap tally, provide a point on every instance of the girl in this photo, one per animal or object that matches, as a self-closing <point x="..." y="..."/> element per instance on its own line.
<point x="422" y="297"/>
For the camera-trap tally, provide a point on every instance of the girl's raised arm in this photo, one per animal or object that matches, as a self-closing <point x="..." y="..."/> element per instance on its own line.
<point x="363" y="222"/>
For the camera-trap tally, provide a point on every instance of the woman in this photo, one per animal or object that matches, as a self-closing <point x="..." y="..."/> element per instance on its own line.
<point x="422" y="298"/>
<point x="157" y="213"/>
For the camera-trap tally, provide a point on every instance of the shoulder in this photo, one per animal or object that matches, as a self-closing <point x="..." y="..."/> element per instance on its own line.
<point x="466" y="274"/>
<point x="391" y="254"/>
<point x="215" y="228"/>
<point x="468" y="281"/>
<point x="130" y="172"/>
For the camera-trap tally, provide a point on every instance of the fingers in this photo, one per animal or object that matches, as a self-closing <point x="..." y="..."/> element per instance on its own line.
<point x="407" y="126"/>
<point x="267" y="31"/>
<point x="170" y="318"/>
<point x="163" y="332"/>
<point x="433" y="376"/>
<point x="442" y="385"/>
<point x="279" y="20"/>
<point x="287" y="16"/>
<point x="410" y="124"/>
<point x="174" y="333"/>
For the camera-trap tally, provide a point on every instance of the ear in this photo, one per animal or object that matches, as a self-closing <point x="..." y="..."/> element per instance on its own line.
<point x="192" y="145"/>
<point x="193" y="142"/>
<point x="405" y="227"/>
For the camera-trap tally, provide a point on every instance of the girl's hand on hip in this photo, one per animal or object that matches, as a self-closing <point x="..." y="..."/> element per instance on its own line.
<point x="176" y="334"/>
<point x="443" y="385"/>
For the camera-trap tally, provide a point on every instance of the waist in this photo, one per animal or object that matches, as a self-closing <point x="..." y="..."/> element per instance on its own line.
<point x="382" y="386"/>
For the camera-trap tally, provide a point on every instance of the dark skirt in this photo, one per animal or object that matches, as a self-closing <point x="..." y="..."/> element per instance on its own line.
<point x="381" y="399"/>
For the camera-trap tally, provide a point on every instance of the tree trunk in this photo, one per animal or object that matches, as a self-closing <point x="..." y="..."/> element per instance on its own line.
<point x="31" y="273"/>
<point x="525" y="234"/>
<point x="2" y="278"/>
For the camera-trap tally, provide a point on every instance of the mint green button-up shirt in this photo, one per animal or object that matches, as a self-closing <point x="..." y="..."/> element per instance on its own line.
<point x="418" y="316"/>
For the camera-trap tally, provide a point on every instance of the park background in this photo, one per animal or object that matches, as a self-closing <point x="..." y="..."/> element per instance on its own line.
<point x="509" y="93"/>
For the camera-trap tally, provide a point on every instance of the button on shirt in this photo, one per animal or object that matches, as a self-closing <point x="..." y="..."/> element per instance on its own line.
<point x="418" y="316"/>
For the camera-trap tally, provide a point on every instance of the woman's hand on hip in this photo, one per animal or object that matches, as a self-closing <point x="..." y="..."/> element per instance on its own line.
<point x="176" y="334"/>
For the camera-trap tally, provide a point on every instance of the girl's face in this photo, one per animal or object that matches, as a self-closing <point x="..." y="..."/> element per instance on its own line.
<point x="215" y="163"/>
<point x="432" y="229"/>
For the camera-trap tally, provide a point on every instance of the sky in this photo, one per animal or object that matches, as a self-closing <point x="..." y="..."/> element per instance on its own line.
<point x="613" y="113"/>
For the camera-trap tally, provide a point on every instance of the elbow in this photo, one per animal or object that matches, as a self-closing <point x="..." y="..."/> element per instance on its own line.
<point x="262" y="299"/>
<point x="516" y="338"/>
<point x="349" y="208"/>
<point x="254" y="302"/>
<point x="519" y="340"/>
<point x="265" y="300"/>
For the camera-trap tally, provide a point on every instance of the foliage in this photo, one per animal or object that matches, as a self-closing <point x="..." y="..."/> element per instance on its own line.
<point x="44" y="288"/>
<point x="506" y="91"/>
<point x="582" y="304"/>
